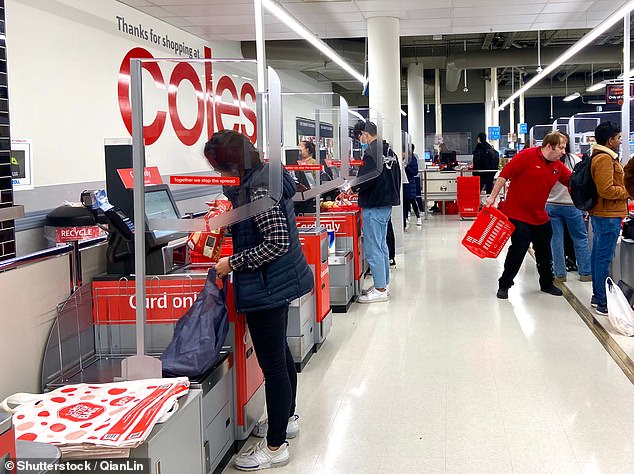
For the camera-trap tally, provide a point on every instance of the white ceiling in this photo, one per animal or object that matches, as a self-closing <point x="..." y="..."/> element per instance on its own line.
<point x="233" y="20"/>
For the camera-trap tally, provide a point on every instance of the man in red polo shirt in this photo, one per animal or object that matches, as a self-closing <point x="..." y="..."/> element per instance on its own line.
<point x="532" y="172"/>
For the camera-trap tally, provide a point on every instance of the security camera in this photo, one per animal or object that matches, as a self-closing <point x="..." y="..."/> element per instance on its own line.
<point x="466" y="89"/>
<point x="539" y="69"/>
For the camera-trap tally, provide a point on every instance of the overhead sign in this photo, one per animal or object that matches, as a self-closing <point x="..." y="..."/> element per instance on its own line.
<point x="494" y="133"/>
<point x="614" y="93"/>
<point x="522" y="127"/>
<point x="306" y="128"/>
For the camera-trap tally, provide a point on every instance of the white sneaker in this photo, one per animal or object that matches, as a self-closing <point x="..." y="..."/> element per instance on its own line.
<point x="373" y="296"/>
<point x="365" y="292"/>
<point x="419" y="221"/>
<point x="259" y="456"/>
<point x="292" y="429"/>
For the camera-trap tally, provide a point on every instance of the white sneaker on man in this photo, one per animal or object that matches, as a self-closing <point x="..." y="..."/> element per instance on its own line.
<point x="373" y="296"/>
<point x="365" y="292"/>
<point x="292" y="429"/>
<point x="419" y="221"/>
<point x="259" y="456"/>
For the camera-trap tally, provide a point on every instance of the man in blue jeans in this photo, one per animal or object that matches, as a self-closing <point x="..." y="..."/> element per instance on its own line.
<point x="376" y="198"/>
<point x="611" y="207"/>
<point x="563" y="213"/>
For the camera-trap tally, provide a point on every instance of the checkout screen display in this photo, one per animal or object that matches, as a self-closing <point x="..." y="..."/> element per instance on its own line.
<point x="158" y="205"/>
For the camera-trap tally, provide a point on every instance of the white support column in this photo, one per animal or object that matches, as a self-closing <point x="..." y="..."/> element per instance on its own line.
<point x="384" y="74"/>
<point x="416" y="106"/>
<point x="522" y="138"/>
<point x="491" y="116"/>
<point x="437" y="102"/>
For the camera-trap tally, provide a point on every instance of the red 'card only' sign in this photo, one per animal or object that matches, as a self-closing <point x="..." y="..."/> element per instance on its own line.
<point x="151" y="175"/>
<point x="206" y="180"/>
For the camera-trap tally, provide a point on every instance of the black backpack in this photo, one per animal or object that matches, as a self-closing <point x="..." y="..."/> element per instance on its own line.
<point x="583" y="191"/>
<point x="492" y="159"/>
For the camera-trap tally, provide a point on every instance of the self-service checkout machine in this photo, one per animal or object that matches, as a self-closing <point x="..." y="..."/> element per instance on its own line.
<point x="310" y="317"/>
<point x="102" y="334"/>
<point x="347" y="265"/>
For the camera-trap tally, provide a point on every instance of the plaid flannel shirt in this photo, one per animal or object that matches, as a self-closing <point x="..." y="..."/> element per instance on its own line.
<point x="273" y="227"/>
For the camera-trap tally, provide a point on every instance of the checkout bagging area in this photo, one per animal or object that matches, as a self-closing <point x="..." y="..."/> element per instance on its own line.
<point x="104" y="340"/>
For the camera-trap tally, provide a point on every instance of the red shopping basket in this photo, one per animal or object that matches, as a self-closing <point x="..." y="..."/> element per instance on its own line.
<point x="468" y="195"/>
<point x="488" y="234"/>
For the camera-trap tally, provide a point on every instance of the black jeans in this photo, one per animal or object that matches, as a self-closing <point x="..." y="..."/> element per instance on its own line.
<point x="409" y="203"/>
<point x="486" y="180"/>
<point x="523" y="235"/>
<point x="268" y="333"/>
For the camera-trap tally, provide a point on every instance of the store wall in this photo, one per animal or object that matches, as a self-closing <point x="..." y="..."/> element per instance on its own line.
<point x="64" y="61"/>
<point x="294" y="106"/>
<point x="27" y="320"/>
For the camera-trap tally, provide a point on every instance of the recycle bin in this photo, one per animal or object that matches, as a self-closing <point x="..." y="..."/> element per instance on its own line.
<point x="67" y="223"/>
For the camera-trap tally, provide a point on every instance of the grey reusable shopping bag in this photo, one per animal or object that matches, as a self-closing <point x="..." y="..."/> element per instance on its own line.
<point x="199" y="333"/>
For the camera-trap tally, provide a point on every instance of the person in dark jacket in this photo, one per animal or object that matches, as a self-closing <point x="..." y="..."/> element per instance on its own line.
<point x="481" y="162"/>
<point x="419" y="189"/>
<point x="376" y="198"/>
<point x="269" y="271"/>
<point x="409" y="189"/>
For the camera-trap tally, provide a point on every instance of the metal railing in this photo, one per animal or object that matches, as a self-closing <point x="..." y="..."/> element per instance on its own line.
<point x="442" y="186"/>
<point x="72" y="249"/>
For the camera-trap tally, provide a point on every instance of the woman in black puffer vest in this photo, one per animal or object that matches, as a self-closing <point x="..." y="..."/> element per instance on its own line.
<point x="269" y="271"/>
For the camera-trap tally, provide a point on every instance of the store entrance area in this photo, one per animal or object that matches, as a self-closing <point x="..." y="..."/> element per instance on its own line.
<point x="446" y="378"/>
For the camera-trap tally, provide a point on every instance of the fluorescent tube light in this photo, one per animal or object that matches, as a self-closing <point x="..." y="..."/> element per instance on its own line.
<point x="289" y="20"/>
<point x="403" y="113"/>
<point x="357" y="114"/>
<point x="573" y="96"/>
<point x="574" y="49"/>
<point x="620" y="76"/>
<point x="596" y="87"/>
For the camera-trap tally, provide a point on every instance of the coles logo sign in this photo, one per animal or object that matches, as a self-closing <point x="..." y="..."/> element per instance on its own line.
<point x="217" y="114"/>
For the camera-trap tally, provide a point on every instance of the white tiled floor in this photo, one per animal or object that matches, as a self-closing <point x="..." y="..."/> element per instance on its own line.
<point x="446" y="378"/>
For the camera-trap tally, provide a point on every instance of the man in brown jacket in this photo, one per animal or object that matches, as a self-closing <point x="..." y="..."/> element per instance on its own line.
<point x="611" y="208"/>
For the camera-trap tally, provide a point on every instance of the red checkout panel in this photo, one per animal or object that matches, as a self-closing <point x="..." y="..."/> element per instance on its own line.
<point x="168" y="297"/>
<point x="346" y="263"/>
<point x="249" y="380"/>
<point x="7" y="444"/>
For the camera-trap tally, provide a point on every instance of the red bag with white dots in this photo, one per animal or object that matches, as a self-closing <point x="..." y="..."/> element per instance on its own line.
<point x="119" y="414"/>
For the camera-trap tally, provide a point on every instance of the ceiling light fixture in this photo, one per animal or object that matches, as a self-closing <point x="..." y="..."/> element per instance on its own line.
<point x="573" y="96"/>
<point x="465" y="89"/>
<point x="403" y="113"/>
<point x="620" y="76"/>
<point x="574" y="49"/>
<point x="289" y="20"/>
<point x="357" y="114"/>
<point x="596" y="87"/>
<point x="539" y="55"/>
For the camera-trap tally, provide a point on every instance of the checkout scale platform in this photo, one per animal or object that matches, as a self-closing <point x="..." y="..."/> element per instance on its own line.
<point x="222" y="407"/>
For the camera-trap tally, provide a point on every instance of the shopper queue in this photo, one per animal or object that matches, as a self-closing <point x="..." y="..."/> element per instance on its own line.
<point x="538" y="203"/>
